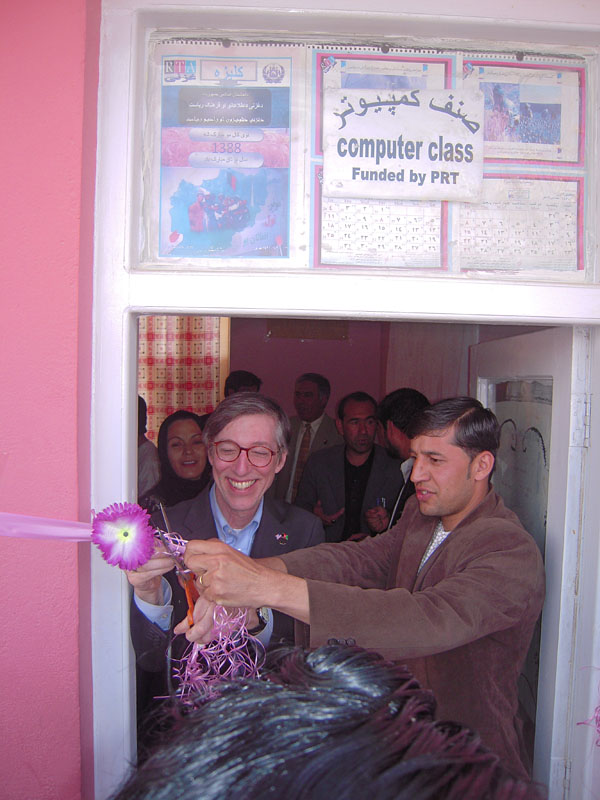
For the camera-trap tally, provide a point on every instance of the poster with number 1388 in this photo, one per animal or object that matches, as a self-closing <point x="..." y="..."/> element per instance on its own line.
<point x="224" y="155"/>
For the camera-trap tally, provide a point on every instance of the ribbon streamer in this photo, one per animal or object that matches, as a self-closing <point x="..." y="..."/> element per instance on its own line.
<point x="233" y="654"/>
<point x="20" y="526"/>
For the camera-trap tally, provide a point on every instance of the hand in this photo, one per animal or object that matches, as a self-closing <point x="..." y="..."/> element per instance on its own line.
<point x="147" y="579"/>
<point x="377" y="519"/>
<point x="201" y="631"/>
<point x="225" y="576"/>
<point x="357" y="537"/>
<point x="229" y="578"/>
<point x="327" y="519"/>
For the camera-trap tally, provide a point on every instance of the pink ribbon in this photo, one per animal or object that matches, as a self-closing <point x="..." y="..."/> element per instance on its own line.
<point x="20" y="526"/>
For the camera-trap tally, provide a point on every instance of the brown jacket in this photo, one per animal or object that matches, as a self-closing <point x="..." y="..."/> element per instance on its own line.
<point x="463" y="624"/>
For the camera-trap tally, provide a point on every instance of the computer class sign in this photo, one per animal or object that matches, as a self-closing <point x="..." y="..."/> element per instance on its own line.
<point x="416" y="144"/>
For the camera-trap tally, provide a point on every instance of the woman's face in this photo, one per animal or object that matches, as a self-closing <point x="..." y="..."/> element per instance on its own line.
<point x="185" y="449"/>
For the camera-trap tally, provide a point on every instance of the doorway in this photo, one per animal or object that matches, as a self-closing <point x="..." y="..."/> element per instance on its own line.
<point x="435" y="358"/>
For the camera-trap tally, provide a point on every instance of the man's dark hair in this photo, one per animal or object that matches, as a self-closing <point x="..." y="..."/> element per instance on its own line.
<point x="358" y="397"/>
<point x="240" y="377"/>
<point x="321" y="381"/>
<point x="475" y="428"/>
<point x="400" y="406"/>
<point x="338" y="722"/>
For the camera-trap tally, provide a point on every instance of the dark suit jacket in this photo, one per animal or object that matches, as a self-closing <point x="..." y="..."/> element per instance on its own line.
<point x="323" y="479"/>
<point x="193" y="519"/>
<point x="326" y="436"/>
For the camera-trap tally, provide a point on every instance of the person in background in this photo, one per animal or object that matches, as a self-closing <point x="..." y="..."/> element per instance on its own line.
<point x="242" y="381"/>
<point x="312" y="430"/>
<point x="148" y="462"/>
<point x="395" y="413"/>
<point x="339" y="722"/>
<point x="344" y="484"/>
<point x="184" y="466"/>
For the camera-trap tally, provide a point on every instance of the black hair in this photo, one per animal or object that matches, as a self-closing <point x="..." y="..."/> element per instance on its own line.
<point x="339" y="722"/>
<point x="475" y="428"/>
<point x="357" y="397"/>
<point x="400" y="406"/>
<point x="142" y="415"/>
<point x="321" y="382"/>
<point x="240" y="377"/>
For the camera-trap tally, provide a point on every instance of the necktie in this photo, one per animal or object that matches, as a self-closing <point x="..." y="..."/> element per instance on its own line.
<point x="302" y="456"/>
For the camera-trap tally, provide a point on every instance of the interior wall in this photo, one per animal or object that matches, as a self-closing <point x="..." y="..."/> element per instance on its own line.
<point x="376" y="357"/>
<point x="434" y="357"/>
<point x="42" y="55"/>
<point x="351" y="364"/>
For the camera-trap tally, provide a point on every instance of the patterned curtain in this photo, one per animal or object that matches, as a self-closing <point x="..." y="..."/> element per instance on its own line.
<point x="178" y="365"/>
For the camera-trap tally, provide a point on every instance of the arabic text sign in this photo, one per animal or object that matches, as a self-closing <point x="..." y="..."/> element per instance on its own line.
<point x="424" y="145"/>
<point x="214" y="106"/>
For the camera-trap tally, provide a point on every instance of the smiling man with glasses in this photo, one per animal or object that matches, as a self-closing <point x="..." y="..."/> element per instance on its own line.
<point x="247" y="440"/>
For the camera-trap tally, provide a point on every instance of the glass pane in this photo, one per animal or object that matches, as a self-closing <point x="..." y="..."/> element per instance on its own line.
<point x="524" y="409"/>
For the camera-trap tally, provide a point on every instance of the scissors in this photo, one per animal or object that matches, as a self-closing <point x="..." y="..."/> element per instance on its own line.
<point x="186" y="577"/>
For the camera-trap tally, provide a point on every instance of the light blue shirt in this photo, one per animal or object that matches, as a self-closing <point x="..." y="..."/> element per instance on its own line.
<point x="240" y="539"/>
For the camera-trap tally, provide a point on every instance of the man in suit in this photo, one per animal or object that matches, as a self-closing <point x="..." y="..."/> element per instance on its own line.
<point x="453" y="590"/>
<point x="312" y="430"/>
<point x="394" y="413"/>
<point x="345" y="485"/>
<point x="246" y="438"/>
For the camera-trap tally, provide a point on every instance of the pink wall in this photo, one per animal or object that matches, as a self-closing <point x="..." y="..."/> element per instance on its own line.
<point x="351" y="364"/>
<point x="45" y="314"/>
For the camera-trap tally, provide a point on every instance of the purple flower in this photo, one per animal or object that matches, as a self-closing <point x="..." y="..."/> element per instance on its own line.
<point x="124" y="535"/>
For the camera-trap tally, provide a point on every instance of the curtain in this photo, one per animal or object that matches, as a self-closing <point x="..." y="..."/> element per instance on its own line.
<point x="178" y="365"/>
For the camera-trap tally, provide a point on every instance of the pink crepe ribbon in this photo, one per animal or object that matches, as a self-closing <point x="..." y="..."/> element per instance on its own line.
<point x="126" y="539"/>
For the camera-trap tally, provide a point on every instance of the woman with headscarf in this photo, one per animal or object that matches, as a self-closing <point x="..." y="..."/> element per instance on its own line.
<point x="185" y="470"/>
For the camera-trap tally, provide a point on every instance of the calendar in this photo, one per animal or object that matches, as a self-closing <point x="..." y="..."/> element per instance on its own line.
<point x="389" y="234"/>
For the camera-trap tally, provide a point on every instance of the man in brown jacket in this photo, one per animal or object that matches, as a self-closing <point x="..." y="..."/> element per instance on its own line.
<point x="454" y="589"/>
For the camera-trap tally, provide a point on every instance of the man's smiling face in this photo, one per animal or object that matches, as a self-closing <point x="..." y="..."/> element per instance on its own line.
<point x="239" y="485"/>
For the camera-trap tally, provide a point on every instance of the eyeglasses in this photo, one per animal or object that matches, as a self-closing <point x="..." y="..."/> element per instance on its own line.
<point x="258" y="455"/>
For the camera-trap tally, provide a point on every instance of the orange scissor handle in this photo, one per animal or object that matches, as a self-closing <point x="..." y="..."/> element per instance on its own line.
<point x="192" y="594"/>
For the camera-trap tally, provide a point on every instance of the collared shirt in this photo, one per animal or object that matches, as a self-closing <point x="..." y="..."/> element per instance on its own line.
<point x="314" y="427"/>
<point x="240" y="539"/>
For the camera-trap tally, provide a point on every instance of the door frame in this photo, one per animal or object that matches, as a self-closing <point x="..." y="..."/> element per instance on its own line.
<point x="556" y="351"/>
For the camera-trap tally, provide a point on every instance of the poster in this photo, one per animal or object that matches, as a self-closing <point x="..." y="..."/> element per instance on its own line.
<point x="532" y="113"/>
<point x="224" y="138"/>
